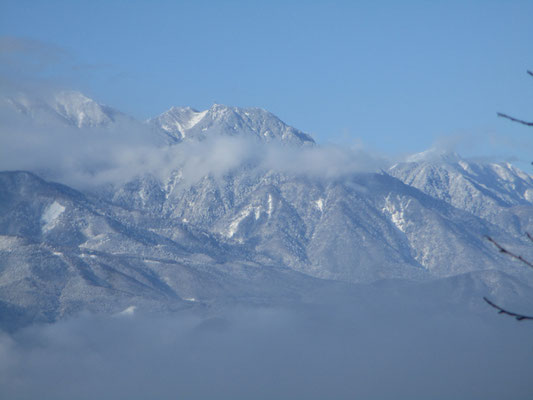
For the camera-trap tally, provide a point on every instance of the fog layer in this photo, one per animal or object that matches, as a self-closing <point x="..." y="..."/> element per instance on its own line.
<point x="334" y="351"/>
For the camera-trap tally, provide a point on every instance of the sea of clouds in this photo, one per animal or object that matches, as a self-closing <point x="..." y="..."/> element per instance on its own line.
<point x="331" y="351"/>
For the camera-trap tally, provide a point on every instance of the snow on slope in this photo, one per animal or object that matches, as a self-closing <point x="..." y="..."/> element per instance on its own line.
<point x="252" y="234"/>
<point x="494" y="191"/>
<point x="178" y="120"/>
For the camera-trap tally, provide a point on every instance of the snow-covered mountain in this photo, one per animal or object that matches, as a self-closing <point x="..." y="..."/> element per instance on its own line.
<point x="252" y="234"/>
<point x="177" y="124"/>
<point x="497" y="192"/>
<point x="63" y="252"/>
<point x="186" y="123"/>
<point x="70" y="107"/>
<point x="363" y="228"/>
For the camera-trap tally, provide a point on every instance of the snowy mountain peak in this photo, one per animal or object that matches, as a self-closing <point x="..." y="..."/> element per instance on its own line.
<point x="178" y="120"/>
<point x="69" y="107"/>
<point x="81" y="110"/>
<point x="182" y="123"/>
<point x="435" y="155"/>
<point x="484" y="189"/>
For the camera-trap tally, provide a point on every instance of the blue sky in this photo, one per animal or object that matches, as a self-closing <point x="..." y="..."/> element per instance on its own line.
<point x="393" y="76"/>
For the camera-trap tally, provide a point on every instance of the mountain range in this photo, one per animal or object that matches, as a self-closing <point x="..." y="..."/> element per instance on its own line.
<point x="253" y="233"/>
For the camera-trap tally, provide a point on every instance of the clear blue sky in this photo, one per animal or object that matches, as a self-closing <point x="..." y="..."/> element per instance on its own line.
<point x="393" y="75"/>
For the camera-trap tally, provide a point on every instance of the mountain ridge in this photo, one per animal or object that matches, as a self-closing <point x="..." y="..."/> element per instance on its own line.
<point x="254" y="234"/>
<point x="176" y="124"/>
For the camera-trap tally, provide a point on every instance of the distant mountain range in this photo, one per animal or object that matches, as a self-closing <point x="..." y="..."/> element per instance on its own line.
<point x="254" y="235"/>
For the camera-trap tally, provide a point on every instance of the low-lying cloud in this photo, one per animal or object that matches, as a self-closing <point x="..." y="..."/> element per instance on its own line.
<point x="338" y="351"/>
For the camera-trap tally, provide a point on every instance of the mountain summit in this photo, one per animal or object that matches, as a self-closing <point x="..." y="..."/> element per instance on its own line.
<point x="497" y="192"/>
<point x="75" y="109"/>
<point x="69" y="107"/>
<point x="185" y="123"/>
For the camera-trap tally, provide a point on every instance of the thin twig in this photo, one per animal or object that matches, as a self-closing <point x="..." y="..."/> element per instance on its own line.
<point x="520" y="121"/>
<point x="510" y="254"/>
<point x="519" y="317"/>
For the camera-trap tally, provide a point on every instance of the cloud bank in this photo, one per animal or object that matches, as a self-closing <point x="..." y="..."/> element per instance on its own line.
<point x="334" y="351"/>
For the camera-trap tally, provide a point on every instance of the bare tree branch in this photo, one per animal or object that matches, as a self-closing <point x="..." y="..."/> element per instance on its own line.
<point x="519" y="317"/>
<point x="515" y="119"/>
<point x="505" y="251"/>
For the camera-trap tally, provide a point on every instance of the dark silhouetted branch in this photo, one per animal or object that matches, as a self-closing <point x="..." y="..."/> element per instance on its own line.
<point x="510" y="254"/>
<point x="515" y="119"/>
<point x="502" y="249"/>
<point x="519" y="317"/>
